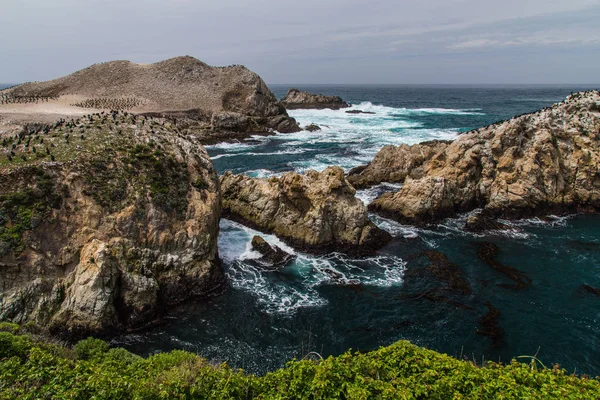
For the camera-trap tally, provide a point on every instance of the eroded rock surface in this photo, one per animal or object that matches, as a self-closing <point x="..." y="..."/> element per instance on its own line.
<point x="395" y="163"/>
<point x="297" y="99"/>
<point x="536" y="163"/>
<point x="111" y="220"/>
<point x="315" y="211"/>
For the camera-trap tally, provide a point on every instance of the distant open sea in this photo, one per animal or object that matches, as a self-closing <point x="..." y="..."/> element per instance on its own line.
<point x="265" y="319"/>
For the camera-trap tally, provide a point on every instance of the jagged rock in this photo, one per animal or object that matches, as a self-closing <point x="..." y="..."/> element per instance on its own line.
<point x="312" y="128"/>
<point x="297" y="99"/>
<point x="480" y="222"/>
<point x="359" y="112"/>
<point x="227" y="99"/>
<point x="272" y="256"/>
<point x="119" y="227"/>
<point x="536" y="163"/>
<point x="395" y="164"/>
<point x="315" y="211"/>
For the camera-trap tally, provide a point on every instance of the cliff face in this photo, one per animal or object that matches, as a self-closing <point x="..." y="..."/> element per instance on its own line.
<point x="535" y="163"/>
<point x="296" y="99"/>
<point x="233" y="93"/>
<point x="104" y="222"/>
<point x="315" y="211"/>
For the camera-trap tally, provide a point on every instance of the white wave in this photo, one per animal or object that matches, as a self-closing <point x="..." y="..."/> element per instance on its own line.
<point x="230" y="146"/>
<point x="274" y="153"/>
<point x="370" y="194"/>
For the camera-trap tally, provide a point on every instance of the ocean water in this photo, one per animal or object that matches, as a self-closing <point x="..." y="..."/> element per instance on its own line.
<point x="332" y="303"/>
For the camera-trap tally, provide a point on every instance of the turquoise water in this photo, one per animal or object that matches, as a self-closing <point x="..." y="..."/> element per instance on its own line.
<point x="263" y="319"/>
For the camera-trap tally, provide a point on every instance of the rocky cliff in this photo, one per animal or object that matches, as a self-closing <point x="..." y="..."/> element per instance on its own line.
<point x="315" y="211"/>
<point x="547" y="161"/>
<point x="296" y="99"/>
<point x="105" y="222"/>
<point x="224" y="98"/>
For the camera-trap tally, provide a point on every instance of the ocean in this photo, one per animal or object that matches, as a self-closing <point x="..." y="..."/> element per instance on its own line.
<point x="264" y="319"/>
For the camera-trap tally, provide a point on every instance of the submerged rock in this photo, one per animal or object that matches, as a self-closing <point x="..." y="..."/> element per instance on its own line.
<point x="272" y="256"/>
<point x="395" y="164"/>
<point x="490" y="326"/>
<point x="591" y="289"/>
<point x="296" y="99"/>
<point x="532" y="164"/>
<point x="101" y="233"/>
<point x="447" y="272"/>
<point x="487" y="252"/>
<point x="317" y="211"/>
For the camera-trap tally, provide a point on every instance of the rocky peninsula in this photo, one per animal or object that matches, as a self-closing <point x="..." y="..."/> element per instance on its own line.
<point x="218" y="102"/>
<point x="532" y="164"/>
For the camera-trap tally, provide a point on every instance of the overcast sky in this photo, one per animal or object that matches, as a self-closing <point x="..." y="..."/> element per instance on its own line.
<point x="312" y="41"/>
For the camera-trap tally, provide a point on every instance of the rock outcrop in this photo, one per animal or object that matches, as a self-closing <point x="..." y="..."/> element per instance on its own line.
<point x="314" y="212"/>
<point x="536" y="163"/>
<point x="297" y="99"/>
<point x="395" y="163"/>
<point x="105" y="222"/>
<point x="272" y="256"/>
<point x="312" y="128"/>
<point x="224" y="99"/>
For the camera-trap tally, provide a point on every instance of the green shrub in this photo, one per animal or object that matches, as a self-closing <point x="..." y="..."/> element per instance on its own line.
<point x="90" y="348"/>
<point x="32" y="370"/>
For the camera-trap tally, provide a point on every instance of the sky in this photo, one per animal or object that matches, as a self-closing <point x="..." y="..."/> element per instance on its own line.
<point x="313" y="41"/>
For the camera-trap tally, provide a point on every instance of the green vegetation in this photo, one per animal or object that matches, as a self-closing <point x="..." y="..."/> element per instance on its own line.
<point x="25" y="209"/>
<point x="31" y="369"/>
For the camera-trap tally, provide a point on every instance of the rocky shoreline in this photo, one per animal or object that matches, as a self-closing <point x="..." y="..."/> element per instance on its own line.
<point x="109" y="219"/>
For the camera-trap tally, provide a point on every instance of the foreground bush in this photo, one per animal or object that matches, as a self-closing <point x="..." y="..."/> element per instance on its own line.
<point x="31" y="369"/>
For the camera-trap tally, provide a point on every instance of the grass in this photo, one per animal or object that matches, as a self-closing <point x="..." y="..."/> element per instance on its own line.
<point x="32" y="369"/>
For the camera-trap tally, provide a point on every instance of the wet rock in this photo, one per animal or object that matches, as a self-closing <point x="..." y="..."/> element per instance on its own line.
<point x="490" y="327"/>
<point x="312" y="128"/>
<point x="272" y="256"/>
<point x="297" y="99"/>
<point x="359" y="112"/>
<point x="532" y="164"/>
<point x="317" y="211"/>
<point x="487" y="252"/>
<point x="481" y="223"/>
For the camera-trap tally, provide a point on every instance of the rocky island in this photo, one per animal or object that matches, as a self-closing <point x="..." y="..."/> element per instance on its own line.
<point x="297" y="99"/>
